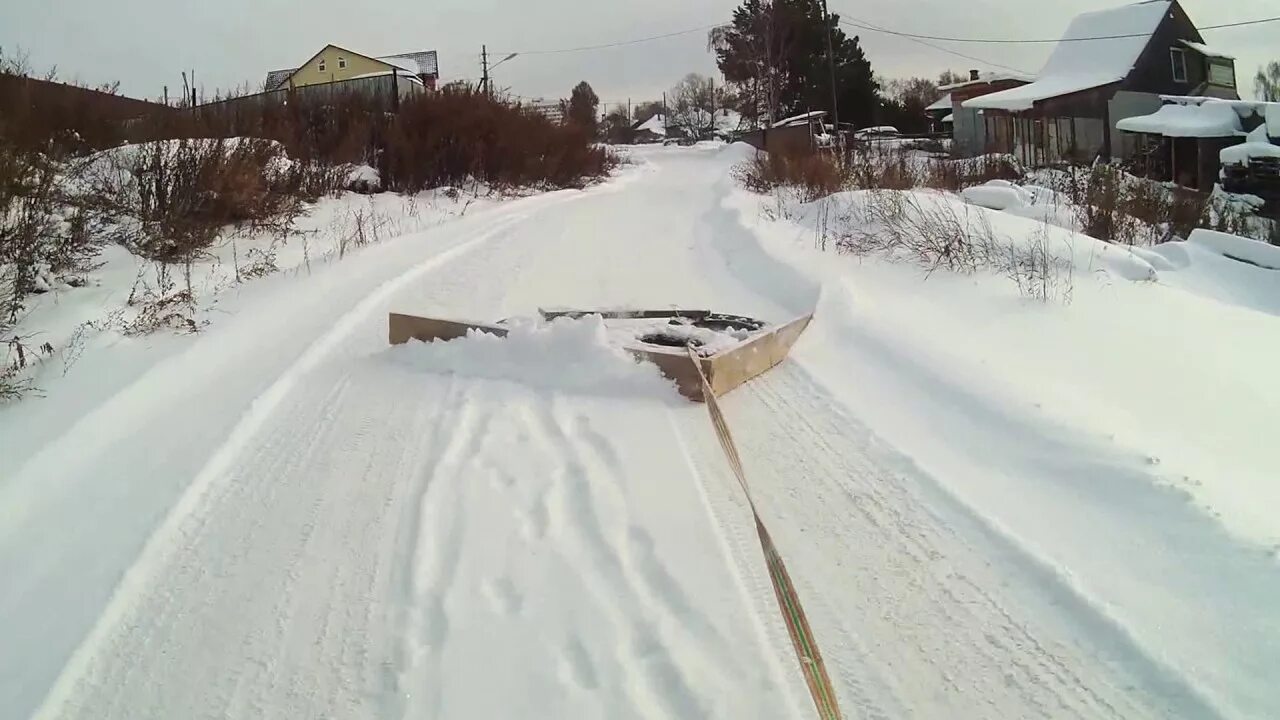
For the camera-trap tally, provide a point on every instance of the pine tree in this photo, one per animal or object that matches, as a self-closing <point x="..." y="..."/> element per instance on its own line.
<point x="775" y="53"/>
<point x="580" y="109"/>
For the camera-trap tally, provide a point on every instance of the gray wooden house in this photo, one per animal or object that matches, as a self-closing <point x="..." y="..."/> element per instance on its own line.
<point x="1110" y="65"/>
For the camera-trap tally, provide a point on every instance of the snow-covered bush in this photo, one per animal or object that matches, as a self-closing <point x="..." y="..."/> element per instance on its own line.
<point x="935" y="232"/>
<point x="168" y="200"/>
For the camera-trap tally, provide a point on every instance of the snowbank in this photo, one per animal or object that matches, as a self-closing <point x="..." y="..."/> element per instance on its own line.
<point x="1026" y="234"/>
<point x="1028" y="201"/>
<point x="564" y="355"/>
<point x="168" y="150"/>
<point x="997" y="196"/>
<point x="1238" y="248"/>
<point x="1224" y="268"/>
<point x="1161" y="351"/>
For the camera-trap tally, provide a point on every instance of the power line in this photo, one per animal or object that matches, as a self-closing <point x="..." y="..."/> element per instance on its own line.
<point x="917" y="38"/>
<point x="1010" y="41"/>
<point x="637" y="41"/>
<point x="984" y="61"/>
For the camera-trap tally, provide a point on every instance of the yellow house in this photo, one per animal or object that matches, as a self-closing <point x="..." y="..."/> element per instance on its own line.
<point x="334" y="63"/>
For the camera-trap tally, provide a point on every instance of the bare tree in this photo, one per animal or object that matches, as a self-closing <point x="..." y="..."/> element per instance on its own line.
<point x="1267" y="82"/>
<point x="914" y="94"/>
<point x="692" y="103"/>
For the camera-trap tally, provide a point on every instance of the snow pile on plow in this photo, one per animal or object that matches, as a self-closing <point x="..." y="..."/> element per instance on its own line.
<point x="576" y="356"/>
<point x="730" y="349"/>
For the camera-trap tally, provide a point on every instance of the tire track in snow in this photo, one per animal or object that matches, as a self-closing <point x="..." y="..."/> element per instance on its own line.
<point x="136" y="578"/>
<point x="272" y="601"/>
<point x="905" y="596"/>
<point x="436" y="554"/>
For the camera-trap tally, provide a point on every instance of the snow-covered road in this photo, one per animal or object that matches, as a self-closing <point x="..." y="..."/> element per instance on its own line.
<point x="283" y="517"/>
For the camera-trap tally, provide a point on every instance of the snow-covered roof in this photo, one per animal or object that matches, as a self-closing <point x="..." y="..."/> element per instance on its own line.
<point x="950" y="118"/>
<point x="986" y="78"/>
<point x="728" y="119"/>
<point x="1211" y="119"/>
<point x="423" y="62"/>
<point x="801" y="119"/>
<point x="656" y="125"/>
<point x="1077" y="65"/>
<point x="1256" y="145"/>
<point x="1268" y="112"/>
<point x="943" y="103"/>
<point x="1207" y="51"/>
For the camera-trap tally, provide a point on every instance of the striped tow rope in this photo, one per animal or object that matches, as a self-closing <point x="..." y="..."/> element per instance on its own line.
<point x="815" y="672"/>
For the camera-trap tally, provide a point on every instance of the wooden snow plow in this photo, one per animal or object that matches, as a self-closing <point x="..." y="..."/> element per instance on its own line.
<point x="730" y="349"/>
<point x="707" y="354"/>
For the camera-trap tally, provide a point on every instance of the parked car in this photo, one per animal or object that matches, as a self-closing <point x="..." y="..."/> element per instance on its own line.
<point x="879" y="132"/>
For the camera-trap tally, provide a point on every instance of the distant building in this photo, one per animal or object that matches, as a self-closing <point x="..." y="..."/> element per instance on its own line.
<point x="334" y="64"/>
<point x="968" y="131"/>
<point x="1198" y="142"/>
<point x="1069" y="113"/>
<point x="651" y="130"/>
<point x="941" y="114"/>
<point x="550" y="109"/>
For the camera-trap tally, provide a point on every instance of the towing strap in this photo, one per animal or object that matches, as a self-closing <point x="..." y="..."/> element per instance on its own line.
<point x="802" y="640"/>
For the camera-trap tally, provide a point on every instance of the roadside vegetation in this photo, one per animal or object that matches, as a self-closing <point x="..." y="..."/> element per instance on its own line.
<point x="82" y="170"/>
<point x="898" y="200"/>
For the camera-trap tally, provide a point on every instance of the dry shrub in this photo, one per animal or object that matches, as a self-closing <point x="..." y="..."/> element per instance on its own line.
<point x="1115" y="206"/>
<point x="903" y="167"/>
<point x="456" y="135"/>
<point x="171" y="199"/>
<point x="815" y="174"/>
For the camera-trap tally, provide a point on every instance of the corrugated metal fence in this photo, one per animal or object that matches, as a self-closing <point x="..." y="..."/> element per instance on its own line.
<point x="385" y="90"/>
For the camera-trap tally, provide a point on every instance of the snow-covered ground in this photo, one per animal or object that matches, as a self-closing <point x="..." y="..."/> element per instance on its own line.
<point x="991" y="507"/>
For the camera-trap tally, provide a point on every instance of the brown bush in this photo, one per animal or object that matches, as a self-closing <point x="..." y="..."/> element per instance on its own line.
<point x="815" y="173"/>
<point x="171" y="199"/>
<point x="448" y="137"/>
<point x="1117" y="207"/>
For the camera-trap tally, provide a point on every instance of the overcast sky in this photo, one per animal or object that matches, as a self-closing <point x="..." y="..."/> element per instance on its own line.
<point x="145" y="44"/>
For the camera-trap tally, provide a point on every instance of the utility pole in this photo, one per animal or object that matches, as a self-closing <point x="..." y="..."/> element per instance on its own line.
<point x="831" y="62"/>
<point x="713" y="107"/>
<point x="484" y="63"/>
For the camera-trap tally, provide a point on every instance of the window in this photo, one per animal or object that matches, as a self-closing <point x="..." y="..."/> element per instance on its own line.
<point x="342" y="62"/>
<point x="1179" y="58"/>
<point x="321" y="67"/>
<point x="1222" y="72"/>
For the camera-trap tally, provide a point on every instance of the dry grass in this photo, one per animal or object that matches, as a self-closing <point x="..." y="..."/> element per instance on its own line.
<point x="934" y="234"/>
